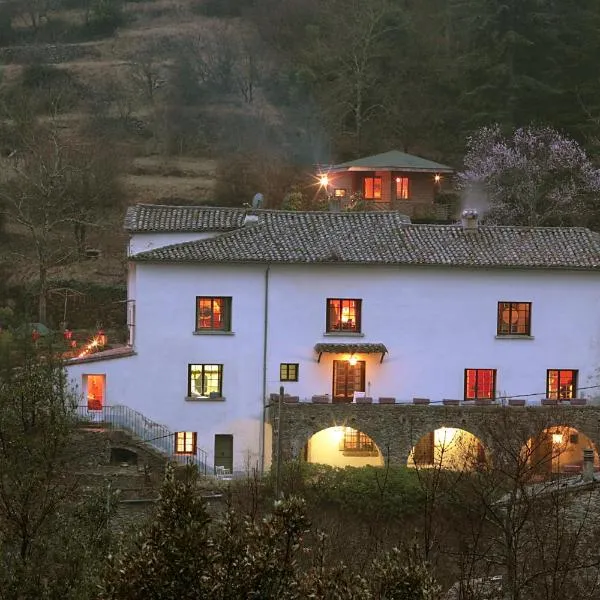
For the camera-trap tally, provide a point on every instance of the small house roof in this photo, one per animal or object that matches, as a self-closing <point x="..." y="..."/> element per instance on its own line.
<point x="394" y="160"/>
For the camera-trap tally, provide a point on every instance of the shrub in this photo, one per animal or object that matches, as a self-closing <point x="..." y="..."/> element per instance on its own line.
<point x="105" y="17"/>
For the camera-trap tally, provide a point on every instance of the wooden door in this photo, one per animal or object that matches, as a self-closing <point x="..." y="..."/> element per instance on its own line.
<point x="224" y="451"/>
<point x="347" y="379"/>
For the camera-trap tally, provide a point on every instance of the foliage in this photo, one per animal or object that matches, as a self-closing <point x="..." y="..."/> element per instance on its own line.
<point x="536" y="176"/>
<point x="182" y="554"/>
<point x="105" y="16"/>
<point x="51" y="534"/>
<point x="294" y="200"/>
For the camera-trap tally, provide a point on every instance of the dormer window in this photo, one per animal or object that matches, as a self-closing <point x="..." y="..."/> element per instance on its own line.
<point x="343" y="315"/>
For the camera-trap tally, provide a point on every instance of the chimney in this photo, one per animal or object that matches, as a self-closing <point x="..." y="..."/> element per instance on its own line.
<point x="250" y="220"/>
<point x="470" y="219"/>
<point x="588" y="464"/>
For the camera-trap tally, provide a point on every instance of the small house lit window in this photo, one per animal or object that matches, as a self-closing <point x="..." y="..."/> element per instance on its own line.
<point x="480" y="383"/>
<point x="95" y="391"/>
<point x="185" y="442"/>
<point x="205" y="380"/>
<point x="514" y="318"/>
<point x="288" y="372"/>
<point x="343" y="315"/>
<point x="402" y="192"/>
<point x="213" y="313"/>
<point x="372" y="188"/>
<point x="339" y="192"/>
<point x="561" y="384"/>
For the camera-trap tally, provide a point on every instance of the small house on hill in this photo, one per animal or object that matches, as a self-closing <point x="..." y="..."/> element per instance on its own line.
<point x="393" y="180"/>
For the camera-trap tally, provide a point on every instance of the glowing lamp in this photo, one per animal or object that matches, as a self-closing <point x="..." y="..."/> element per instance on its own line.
<point x="352" y="361"/>
<point x="324" y="180"/>
<point x="437" y="178"/>
<point x="557" y="438"/>
<point x="73" y="343"/>
<point x="67" y="334"/>
<point x="101" y="338"/>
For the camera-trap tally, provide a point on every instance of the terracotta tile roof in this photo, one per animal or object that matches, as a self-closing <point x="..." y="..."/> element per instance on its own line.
<point x="147" y="218"/>
<point x="392" y="160"/>
<point x="386" y="238"/>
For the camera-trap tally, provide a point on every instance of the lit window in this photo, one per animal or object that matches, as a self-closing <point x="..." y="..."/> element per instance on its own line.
<point x="288" y="372"/>
<point x="204" y="380"/>
<point x="343" y="315"/>
<point x="357" y="441"/>
<point x="561" y="384"/>
<point x="402" y="192"/>
<point x="185" y="442"/>
<point x="339" y="192"/>
<point x="213" y="313"/>
<point x="372" y="188"/>
<point x="95" y="391"/>
<point x="480" y="383"/>
<point x="514" y="318"/>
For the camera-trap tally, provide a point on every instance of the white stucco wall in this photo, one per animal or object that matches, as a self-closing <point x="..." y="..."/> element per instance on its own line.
<point x="435" y="323"/>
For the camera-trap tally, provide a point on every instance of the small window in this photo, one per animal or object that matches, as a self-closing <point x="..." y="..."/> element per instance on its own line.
<point x="95" y="391"/>
<point x="213" y="314"/>
<point x="185" y="442"/>
<point x="205" y="381"/>
<point x="357" y="441"/>
<point x="514" y="318"/>
<point x="372" y="188"/>
<point x="343" y="315"/>
<point x="402" y="192"/>
<point x="288" y="372"/>
<point x="339" y="192"/>
<point x="480" y="383"/>
<point x="561" y="384"/>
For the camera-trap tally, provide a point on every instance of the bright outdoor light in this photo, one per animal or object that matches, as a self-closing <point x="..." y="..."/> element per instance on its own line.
<point x="324" y="180"/>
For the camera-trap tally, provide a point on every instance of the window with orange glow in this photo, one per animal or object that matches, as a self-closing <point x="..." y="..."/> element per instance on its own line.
<point x="480" y="383"/>
<point x="561" y="384"/>
<point x="343" y="315"/>
<point x="514" y="318"/>
<point x="213" y="313"/>
<point x="95" y="391"/>
<point x="402" y="191"/>
<point x="357" y="441"/>
<point x="372" y="188"/>
<point x="185" y="442"/>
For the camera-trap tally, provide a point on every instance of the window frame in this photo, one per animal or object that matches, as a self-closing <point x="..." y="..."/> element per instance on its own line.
<point x="372" y="178"/>
<point x="477" y="396"/>
<point x="556" y="395"/>
<point x="357" y="328"/>
<point x="500" y="321"/>
<point x="226" y="310"/>
<point x="400" y="180"/>
<point x="355" y="440"/>
<point x="284" y="371"/>
<point x="203" y="375"/>
<point x="194" y="441"/>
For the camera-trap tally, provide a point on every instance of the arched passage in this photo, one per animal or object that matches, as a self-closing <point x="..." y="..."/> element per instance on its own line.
<point x="448" y="448"/>
<point x="342" y="446"/>
<point x="558" y="450"/>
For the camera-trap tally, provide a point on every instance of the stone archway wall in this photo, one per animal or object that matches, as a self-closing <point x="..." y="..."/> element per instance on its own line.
<point x="396" y="428"/>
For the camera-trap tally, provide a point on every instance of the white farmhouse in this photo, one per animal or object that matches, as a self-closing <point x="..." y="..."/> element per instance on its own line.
<point x="226" y="305"/>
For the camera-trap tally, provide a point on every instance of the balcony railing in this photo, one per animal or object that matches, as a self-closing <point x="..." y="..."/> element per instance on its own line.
<point x="157" y="436"/>
<point x="412" y="208"/>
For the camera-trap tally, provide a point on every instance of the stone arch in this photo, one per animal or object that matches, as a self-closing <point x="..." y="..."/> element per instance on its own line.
<point x="558" y="450"/>
<point x="449" y="448"/>
<point x="343" y="446"/>
<point x="122" y="454"/>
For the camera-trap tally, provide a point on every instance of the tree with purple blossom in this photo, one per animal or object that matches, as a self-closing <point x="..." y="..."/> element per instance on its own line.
<point x="534" y="177"/>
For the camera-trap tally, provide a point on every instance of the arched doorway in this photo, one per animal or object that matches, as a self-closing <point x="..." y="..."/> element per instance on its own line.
<point x="558" y="450"/>
<point x="447" y="448"/>
<point x="342" y="447"/>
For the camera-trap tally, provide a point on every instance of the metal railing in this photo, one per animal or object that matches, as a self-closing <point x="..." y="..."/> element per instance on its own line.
<point x="157" y="436"/>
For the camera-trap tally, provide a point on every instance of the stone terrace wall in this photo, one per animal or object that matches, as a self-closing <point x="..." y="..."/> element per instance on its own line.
<point x="395" y="428"/>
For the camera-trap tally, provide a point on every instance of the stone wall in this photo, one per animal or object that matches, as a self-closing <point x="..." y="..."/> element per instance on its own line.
<point x="396" y="428"/>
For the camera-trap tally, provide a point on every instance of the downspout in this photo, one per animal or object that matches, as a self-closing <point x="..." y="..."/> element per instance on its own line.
<point x="261" y="442"/>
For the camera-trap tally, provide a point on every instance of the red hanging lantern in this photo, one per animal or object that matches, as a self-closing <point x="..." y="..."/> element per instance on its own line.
<point x="35" y="335"/>
<point x="67" y="334"/>
<point x="73" y="343"/>
<point x="101" y="337"/>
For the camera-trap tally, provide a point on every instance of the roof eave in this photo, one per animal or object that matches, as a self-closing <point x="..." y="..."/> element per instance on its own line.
<point x="399" y="168"/>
